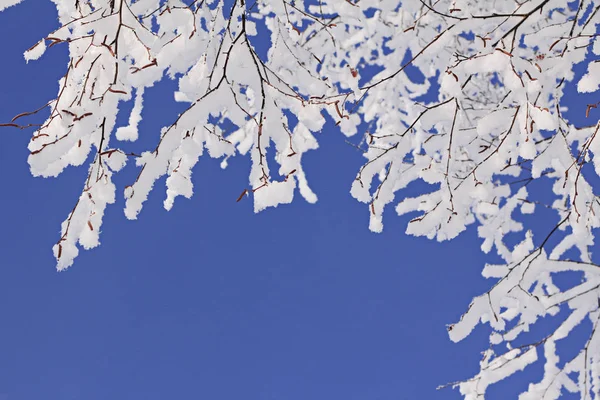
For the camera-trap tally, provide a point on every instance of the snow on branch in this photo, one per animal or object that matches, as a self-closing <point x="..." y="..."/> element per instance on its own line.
<point x="485" y="126"/>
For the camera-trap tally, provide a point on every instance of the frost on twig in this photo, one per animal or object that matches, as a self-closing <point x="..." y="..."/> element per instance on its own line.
<point x="482" y="127"/>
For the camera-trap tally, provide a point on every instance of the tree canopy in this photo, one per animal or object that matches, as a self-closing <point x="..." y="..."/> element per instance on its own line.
<point x="463" y="98"/>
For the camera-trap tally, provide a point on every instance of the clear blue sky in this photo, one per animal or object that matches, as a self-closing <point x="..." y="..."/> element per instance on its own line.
<point x="209" y="300"/>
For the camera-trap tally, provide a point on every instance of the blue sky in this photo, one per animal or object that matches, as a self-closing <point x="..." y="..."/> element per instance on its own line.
<point x="212" y="301"/>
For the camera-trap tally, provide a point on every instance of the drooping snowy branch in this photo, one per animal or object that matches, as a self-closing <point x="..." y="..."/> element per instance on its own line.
<point x="484" y="124"/>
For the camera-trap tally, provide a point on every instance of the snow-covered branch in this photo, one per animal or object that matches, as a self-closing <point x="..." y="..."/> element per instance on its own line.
<point x="484" y="129"/>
